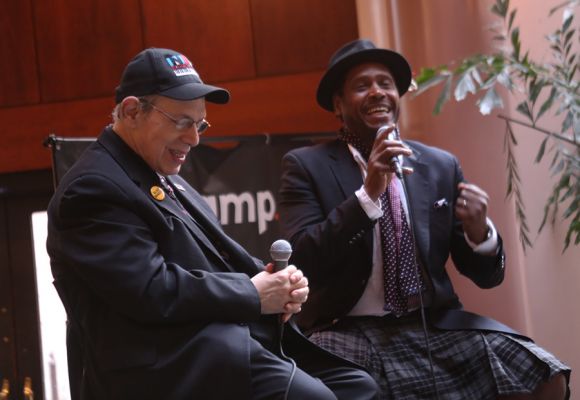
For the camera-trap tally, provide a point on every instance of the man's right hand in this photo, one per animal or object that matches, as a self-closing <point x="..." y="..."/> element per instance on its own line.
<point x="380" y="170"/>
<point x="281" y="292"/>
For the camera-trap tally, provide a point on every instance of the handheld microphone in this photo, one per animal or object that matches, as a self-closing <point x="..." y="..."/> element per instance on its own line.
<point x="395" y="162"/>
<point x="280" y="251"/>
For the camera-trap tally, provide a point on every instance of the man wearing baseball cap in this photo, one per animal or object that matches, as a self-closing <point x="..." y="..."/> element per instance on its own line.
<point x="162" y="304"/>
<point x="372" y="221"/>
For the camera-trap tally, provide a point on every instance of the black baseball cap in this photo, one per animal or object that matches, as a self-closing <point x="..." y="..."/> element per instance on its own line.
<point x="167" y="73"/>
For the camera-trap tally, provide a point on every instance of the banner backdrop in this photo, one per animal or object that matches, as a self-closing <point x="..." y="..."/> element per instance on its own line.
<point x="240" y="184"/>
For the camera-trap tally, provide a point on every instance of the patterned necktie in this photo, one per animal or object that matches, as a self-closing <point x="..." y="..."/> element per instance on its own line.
<point x="399" y="262"/>
<point x="398" y="249"/>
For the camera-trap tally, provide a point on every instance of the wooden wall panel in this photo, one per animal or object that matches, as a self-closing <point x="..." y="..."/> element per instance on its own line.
<point x="83" y="46"/>
<point x="22" y="136"/>
<point x="216" y="35"/>
<point x="282" y="104"/>
<point x="300" y="35"/>
<point x="270" y="54"/>
<point x="18" y="73"/>
<point x="276" y="105"/>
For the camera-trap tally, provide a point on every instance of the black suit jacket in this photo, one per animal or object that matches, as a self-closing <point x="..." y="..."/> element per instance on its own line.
<point x="159" y="298"/>
<point x="332" y="236"/>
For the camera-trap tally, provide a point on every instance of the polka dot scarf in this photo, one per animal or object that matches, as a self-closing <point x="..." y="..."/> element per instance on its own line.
<point x="399" y="263"/>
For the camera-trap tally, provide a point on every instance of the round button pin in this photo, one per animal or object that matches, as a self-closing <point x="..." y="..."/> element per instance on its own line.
<point x="157" y="193"/>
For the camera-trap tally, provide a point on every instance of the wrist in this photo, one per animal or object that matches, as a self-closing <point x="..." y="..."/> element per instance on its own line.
<point x="481" y="237"/>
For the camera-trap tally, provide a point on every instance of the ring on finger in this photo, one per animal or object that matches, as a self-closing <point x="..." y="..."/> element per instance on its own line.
<point x="464" y="203"/>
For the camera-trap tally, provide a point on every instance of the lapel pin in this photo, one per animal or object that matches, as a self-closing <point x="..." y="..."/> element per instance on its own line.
<point x="157" y="193"/>
<point x="440" y="203"/>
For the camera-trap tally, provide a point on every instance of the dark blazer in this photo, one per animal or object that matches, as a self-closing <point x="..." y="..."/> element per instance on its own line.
<point x="332" y="238"/>
<point x="159" y="298"/>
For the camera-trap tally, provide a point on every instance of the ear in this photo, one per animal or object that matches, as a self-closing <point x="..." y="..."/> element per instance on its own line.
<point x="130" y="108"/>
<point x="337" y="106"/>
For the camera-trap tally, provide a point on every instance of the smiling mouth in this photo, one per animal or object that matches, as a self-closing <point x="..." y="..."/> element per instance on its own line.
<point x="180" y="155"/>
<point x="378" y="110"/>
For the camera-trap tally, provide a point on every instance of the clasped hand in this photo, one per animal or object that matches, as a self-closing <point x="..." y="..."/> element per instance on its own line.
<point x="281" y="292"/>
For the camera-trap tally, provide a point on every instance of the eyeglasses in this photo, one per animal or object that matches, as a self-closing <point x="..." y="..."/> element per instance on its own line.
<point x="185" y="123"/>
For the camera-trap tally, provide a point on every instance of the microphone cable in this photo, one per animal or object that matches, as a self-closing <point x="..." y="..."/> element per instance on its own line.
<point x="287" y="358"/>
<point x="399" y="175"/>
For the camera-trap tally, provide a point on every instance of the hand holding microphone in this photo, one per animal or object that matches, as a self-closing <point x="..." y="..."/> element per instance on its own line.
<point x="282" y="288"/>
<point x="384" y="161"/>
<point x="280" y="252"/>
<point x="393" y="134"/>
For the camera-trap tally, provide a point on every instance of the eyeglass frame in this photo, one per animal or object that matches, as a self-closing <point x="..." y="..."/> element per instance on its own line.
<point x="181" y="124"/>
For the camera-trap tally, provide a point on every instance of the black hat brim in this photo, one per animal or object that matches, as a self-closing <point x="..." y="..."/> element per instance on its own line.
<point x="192" y="91"/>
<point x="333" y="77"/>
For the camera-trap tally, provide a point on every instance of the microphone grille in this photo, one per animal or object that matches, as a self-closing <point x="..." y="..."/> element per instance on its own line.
<point x="382" y="129"/>
<point x="393" y="135"/>
<point x="280" y="250"/>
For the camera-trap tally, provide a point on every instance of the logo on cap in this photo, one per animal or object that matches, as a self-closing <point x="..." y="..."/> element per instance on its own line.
<point x="180" y="65"/>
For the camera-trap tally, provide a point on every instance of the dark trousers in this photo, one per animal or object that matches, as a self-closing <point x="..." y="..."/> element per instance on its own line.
<point x="307" y="374"/>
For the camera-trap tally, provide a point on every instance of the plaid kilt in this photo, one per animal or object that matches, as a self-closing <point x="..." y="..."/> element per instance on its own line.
<point x="466" y="364"/>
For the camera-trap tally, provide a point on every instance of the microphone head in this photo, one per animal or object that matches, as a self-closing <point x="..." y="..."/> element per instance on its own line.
<point x="280" y="250"/>
<point x="382" y="129"/>
<point x="393" y="135"/>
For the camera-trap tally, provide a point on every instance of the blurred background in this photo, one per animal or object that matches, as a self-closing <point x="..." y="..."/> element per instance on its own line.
<point x="60" y="61"/>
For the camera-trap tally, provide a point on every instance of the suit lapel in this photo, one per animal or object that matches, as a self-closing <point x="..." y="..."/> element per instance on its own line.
<point x="348" y="176"/>
<point x="417" y="185"/>
<point x="185" y="214"/>
<point x="211" y="233"/>
<point x="345" y="169"/>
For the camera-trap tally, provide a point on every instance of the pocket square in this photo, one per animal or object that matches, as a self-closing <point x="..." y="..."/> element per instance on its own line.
<point x="440" y="203"/>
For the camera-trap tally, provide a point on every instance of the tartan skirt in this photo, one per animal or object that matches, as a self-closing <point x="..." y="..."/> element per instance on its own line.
<point x="467" y="364"/>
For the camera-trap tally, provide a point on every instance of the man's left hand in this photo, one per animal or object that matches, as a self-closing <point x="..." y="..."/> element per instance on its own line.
<point x="471" y="209"/>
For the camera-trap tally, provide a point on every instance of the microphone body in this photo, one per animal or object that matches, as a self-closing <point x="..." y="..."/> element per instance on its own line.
<point x="280" y="251"/>
<point x="395" y="162"/>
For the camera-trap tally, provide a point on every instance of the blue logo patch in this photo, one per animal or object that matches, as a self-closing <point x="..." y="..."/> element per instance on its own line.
<point x="180" y="65"/>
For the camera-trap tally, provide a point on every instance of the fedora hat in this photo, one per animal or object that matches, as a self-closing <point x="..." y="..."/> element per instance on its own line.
<point x="354" y="53"/>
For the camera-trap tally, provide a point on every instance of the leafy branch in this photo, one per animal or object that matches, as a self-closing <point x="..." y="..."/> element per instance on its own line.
<point x="545" y="87"/>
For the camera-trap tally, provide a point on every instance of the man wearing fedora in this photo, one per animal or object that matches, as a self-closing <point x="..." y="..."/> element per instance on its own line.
<point x="161" y="303"/>
<point x="372" y="220"/>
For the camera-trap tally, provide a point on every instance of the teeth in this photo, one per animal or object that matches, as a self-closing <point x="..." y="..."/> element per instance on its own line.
<point x="179" y="154"/>
<point x="378" y="109"/>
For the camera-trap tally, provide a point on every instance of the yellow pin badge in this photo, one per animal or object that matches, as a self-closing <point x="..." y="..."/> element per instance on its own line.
<point x="157" y="193"/>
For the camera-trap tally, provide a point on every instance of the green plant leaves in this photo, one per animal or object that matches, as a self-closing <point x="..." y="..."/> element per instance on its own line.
<point x="513" y="68"/>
